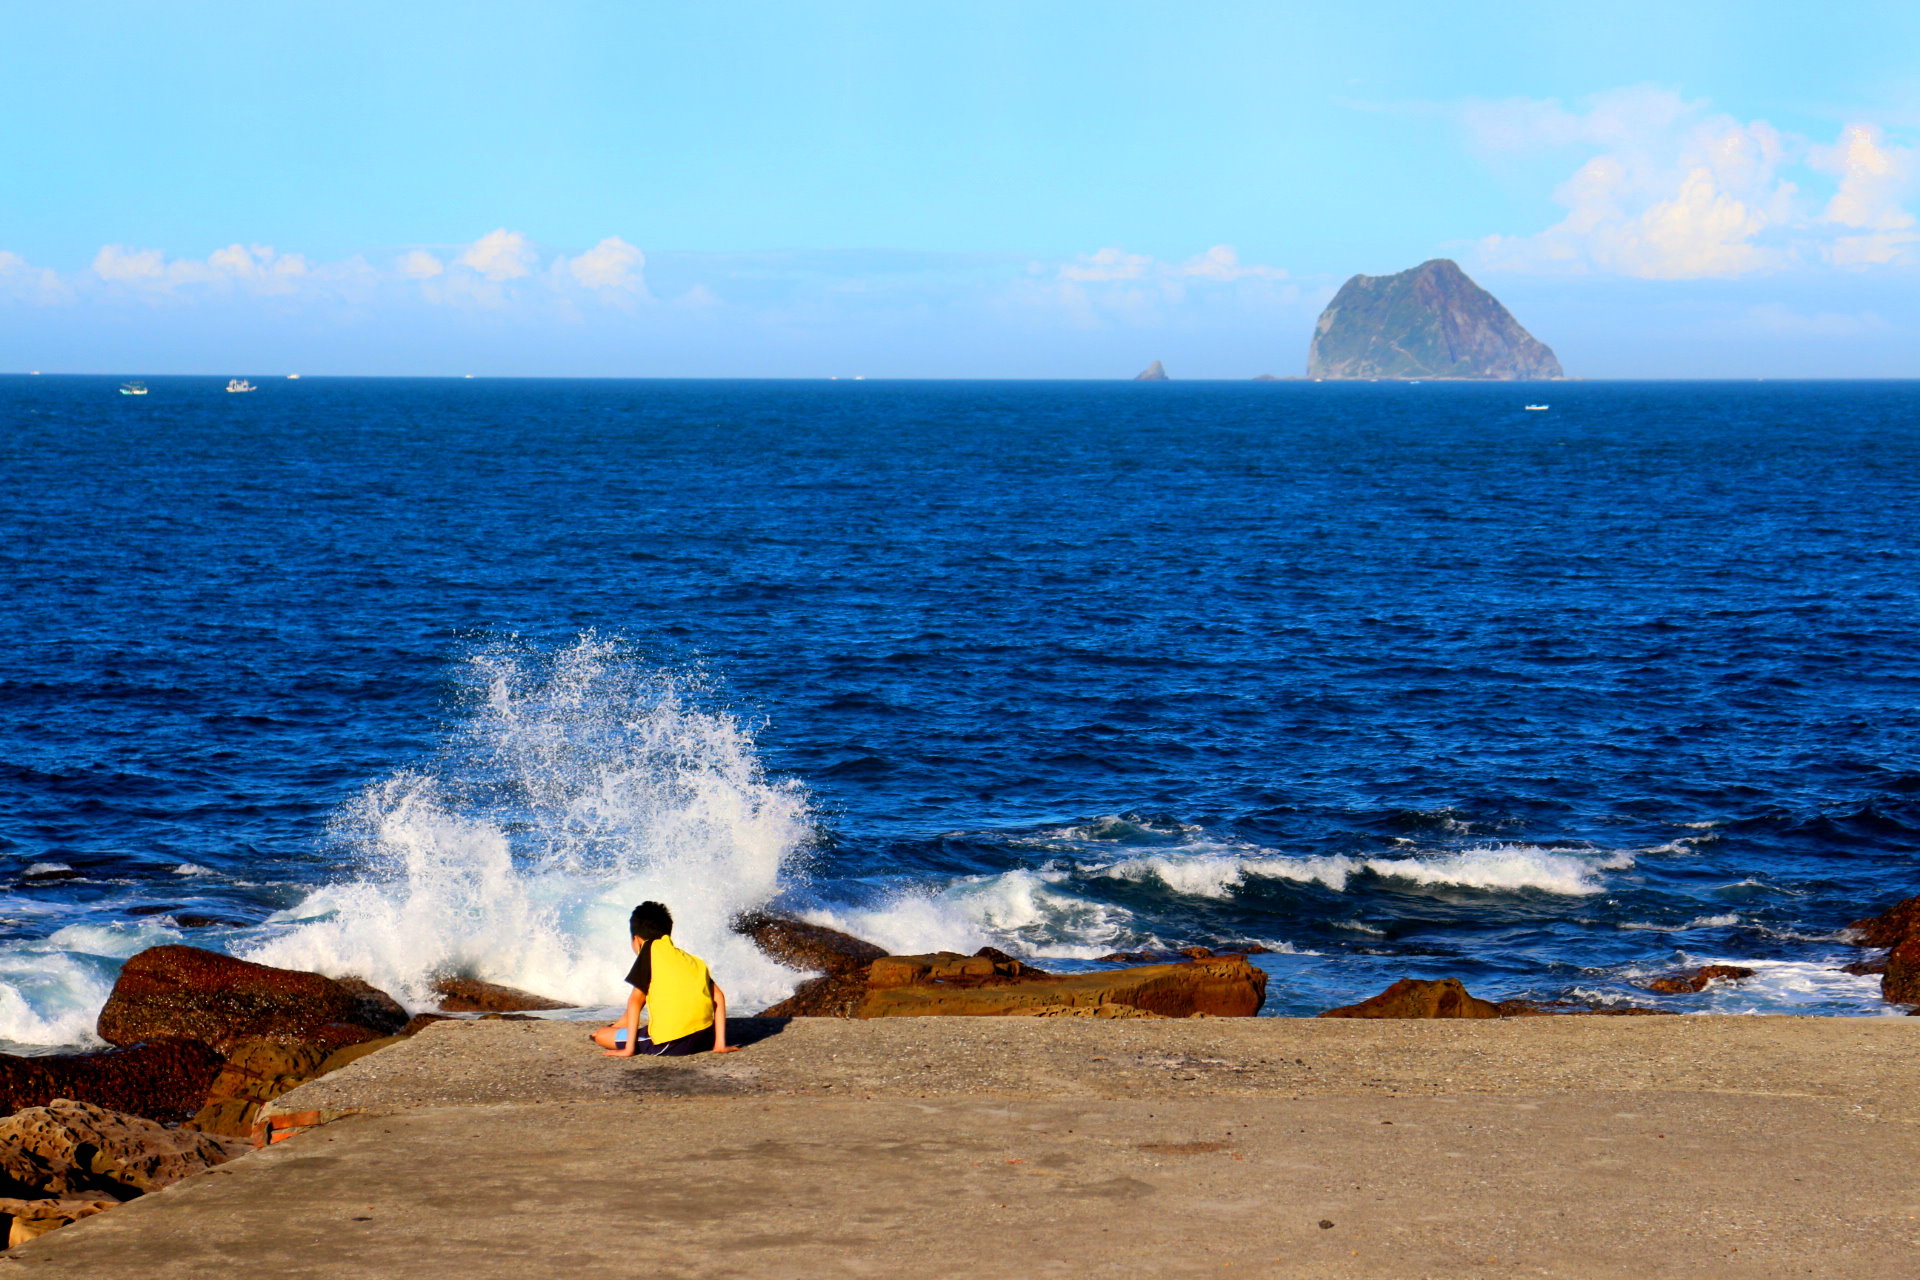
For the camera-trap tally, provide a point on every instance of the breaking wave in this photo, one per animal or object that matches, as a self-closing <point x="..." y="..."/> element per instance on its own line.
<point x="585" y="781"/>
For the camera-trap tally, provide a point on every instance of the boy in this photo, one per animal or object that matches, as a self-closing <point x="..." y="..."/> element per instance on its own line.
<point x="687" y="1011"/>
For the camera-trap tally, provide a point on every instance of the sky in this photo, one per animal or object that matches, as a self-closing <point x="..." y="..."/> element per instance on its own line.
<point x="907" y="188"/>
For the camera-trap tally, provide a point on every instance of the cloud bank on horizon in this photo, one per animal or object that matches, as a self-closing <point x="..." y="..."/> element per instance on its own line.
<point x="1641" y="229"/>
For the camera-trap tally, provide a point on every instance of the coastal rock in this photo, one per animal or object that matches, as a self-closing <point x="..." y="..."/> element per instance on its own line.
<point x="1420" y="998"/>
<point x="1890" y="928"/>
<point x="1898" y="930"/>
<point x="1698" y="979"/>
<point x="259" y="1070"/>
<point x="34" y="1218"/>
<point x="835" y="995"/>
<point x="1152" y="373"/>
<point x="800" y="945"/>
<point x="1901" y="982"/>
<point x="945" y="984"/>
<point x="1427" y="322"/>
<point x="1181" y="953"/>
<point x="992" y="983"/>
<point x="164" y="1080"/>
<point x="221" y="1000"/>
<point x="1086" y="1011"/>
<point x="75" y="1149"/>
<point x="470" y="995"/>
<point x="1568" y="1009"/>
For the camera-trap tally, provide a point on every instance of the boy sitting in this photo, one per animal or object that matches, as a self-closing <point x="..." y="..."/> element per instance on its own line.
<point x="687" y="1011"/>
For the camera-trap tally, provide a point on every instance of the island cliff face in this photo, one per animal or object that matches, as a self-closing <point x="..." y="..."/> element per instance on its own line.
<point x="1430" y="322"/>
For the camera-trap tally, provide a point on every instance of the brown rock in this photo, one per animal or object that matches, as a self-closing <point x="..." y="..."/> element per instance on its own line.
<point x="800" y="945"/>
<point x="470" y="995"/>
<point x="163" y="1080"/>
<point x="420" y="1020"/>
<point x="947" y="984"/>
<point x="34" y="1218"/>
<point x="1418" y="998"/>
<point x="1891" y="927"/>
<point x="1567" y="1009"/>
<point x="1189" y="953"/>
<point x="834" y="995"/>
<point x="1697" y="979"/>
<point x="220" y="1000"/>
<point x="75" y="1149"/>
<point x="1901" y="983"/>
<point x="261" y="1070"/>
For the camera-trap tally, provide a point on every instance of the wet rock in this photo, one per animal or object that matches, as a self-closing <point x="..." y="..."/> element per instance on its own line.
<point x="1898" y="930"/>
<point x="77" y="1150"/>
<point x="1420" y="998"/>
<point x="221" y="1000"/>
<point x="990" y="983"/>
<point x="165" y="1080"/>
<point x="833" y="995"/>
<point x="32" y="1219"/>
<point x="1698" y="979"/>
<point x="1890" y="928"/>
<point x="800" y="945"/>
<point x="470" y="995"/>
<point x="1182" y="953"/>
<point x="1901" y="982"/>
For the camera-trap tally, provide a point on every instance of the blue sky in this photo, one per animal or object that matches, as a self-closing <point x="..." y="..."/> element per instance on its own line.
<point x="970" y="190"/>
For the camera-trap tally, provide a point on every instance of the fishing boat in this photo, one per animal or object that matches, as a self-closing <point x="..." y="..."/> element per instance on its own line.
<point x="293" y="377"/>
<point x="133" y="388"/>
<point x="1538" y="408"/>
<point x="240" y="384"/>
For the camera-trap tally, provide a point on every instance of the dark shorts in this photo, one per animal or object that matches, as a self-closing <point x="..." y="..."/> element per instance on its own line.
<point x="698" y="1042"/>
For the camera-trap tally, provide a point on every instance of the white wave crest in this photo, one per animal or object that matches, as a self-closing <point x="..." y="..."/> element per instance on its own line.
<point x="585" y="783"/>
<point x="1698" y="922"/>
<point x="52" y="988"/>
<point x="1019" y="911"/>
<point x="1503" y="868"/>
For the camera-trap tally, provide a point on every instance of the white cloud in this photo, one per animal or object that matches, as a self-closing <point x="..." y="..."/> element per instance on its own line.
<point x="254" y="268"/>
<point x="1139" y="289"/>
<point x="418" y="264"/>
<point x="1673" y="190"/>
<point x="611" y="264"/>
<point x="500" y="255"/>
<point x="1875" y="179"/>
<point x="21" y="281"/>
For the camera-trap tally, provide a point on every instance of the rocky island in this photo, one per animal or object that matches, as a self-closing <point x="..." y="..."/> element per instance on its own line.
<point x="1429" y="322"/>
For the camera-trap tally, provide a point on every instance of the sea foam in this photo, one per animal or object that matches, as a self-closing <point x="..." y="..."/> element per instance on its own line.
<point x="584" y="782"/>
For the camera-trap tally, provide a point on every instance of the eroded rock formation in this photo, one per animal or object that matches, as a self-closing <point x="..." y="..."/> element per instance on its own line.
<point x="219" y="1000"/>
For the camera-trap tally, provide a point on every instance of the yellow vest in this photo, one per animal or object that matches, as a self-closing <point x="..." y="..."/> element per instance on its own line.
<point x="680" y="997"/>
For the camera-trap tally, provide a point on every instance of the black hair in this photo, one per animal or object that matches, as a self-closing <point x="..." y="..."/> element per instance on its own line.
<point x="650" y="920"/>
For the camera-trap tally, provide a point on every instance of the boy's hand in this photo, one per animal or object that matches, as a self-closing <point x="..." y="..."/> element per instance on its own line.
<point x="726" y="1048"/>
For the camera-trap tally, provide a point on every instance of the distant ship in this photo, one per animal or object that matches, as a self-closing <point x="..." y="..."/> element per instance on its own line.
<point x="240" y="384"/>
<point x="133" y="388"/>
<point x="1538" y="408"/>
<point x="293" y="377"/>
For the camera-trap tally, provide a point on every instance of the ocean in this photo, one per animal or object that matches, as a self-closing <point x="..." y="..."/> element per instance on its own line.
<point x="400" y="677"/>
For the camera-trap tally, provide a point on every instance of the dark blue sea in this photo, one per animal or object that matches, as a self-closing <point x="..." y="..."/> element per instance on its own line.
<point x="398" y="678"/>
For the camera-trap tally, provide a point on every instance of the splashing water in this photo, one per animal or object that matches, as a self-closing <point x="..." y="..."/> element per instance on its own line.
<point x="584" y="782"/>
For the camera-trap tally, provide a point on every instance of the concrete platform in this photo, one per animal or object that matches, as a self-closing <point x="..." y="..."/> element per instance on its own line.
<point x="1566" y="1147"/>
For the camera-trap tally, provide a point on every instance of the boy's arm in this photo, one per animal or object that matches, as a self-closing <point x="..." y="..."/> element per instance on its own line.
<point x="630" y="1021"/>
<point x="720" y="1044"/>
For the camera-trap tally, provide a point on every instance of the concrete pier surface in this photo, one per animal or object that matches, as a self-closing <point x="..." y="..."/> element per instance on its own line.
<point x="1578" y="1147"/>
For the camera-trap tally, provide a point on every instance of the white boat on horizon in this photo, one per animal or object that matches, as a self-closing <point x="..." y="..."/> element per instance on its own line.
<point x="240" y="384"/>
<point x="293" y="377"/>
<point x="133" y="388"/>
<point x="1538" y="408"/>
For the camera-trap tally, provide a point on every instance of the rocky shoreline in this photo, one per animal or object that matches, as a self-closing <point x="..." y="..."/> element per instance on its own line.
<point x="202" y="1043"/>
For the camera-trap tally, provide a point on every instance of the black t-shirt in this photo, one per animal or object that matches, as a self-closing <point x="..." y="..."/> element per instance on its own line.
<point x="640" y="977"/>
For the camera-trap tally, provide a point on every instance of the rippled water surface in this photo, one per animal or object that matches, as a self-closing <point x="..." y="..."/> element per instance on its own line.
<point x="395" y="677"/>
